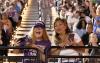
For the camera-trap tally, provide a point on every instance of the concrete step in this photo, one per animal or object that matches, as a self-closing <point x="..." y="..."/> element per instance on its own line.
<point x="28" y="25"/>
<point x="28" y="12"/>
<point x="28" y="16"/>
<point x="31" y="18"/>
<point x="32" y="9"/>
<point x="33" y="6"/>
<point x="47" y="22"/>
<point x="31" y="13"/>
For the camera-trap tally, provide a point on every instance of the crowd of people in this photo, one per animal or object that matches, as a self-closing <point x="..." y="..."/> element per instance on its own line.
<point x="79" y="14"/>
<point x="10" y="17"/>
<point x="78" y="24"/>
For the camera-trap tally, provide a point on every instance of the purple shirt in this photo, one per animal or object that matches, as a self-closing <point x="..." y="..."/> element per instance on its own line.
<point x="45" y="43"/>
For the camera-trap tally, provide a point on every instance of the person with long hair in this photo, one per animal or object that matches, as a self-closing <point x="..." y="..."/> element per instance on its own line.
<point x="64" y="37"/>
<point x="85" y="37"/>
<point x="39" y="39"/>
<point x="6" y="32"/>
<point x="93" y="41"/>
<point x="80" y="28"/>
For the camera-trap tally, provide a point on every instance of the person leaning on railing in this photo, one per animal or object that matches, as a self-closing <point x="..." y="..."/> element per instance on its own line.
<point x="64" y="37"/>
<point x="6" y="34"/>
<point x="38" y="40"/>
<point x="92" y="52"/>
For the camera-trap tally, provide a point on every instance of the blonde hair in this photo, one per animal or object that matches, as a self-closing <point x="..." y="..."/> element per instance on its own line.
<point x="93" y="36"/>
<point x="44" y="36"/>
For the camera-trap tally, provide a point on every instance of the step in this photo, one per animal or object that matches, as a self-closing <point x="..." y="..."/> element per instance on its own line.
<point x="29" y="28"/>
<point x="32" y="18"/>
<point x="23" y="22"/>
<point x="32" y="24"/>
<point x="20" y="32"/>
<point x="17" y="36"/>
<point x="32" y="7"/>
<point x="29" y="11"/>
<point x="30" y="14"/>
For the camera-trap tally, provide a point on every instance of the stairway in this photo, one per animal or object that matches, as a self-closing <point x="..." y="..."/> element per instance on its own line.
<point x="30" y="16"/>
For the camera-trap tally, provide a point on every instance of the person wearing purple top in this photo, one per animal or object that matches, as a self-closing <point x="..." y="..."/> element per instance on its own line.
<point x="39" y="40"/>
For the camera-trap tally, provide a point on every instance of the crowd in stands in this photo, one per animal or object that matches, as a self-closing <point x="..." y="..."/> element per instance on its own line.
<point x="81" y="14"/>
<point x="78" y="24"/>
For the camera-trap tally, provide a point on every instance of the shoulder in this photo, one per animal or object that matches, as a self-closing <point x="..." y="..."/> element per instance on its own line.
<point x="47" y="41"/>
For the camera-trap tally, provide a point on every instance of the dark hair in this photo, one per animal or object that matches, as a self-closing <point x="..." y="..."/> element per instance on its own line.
<point x="39" y="24"/>
<point x="20" y="18"/>
<point x="63" y="21"/>
<point x="81" y="22"/>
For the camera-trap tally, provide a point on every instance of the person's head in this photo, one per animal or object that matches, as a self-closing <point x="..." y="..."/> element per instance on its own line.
<point x="87" y="3"/>
<point x="93" y="39"/>
<point x="89" y="27"/>
<point x="82" y="23"/>
<point x="39" y="32"/>
<point x="98" y="10"/>
<point x="97" y="18"/>
<point x="4" y="16"/>
<point x="61" y="26"/>
<point x="77" y="13"/>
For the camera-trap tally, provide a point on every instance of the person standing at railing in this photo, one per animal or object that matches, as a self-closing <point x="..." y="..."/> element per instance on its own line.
<point x="93" y="41"/>
<point x="39" y="40"/>
<point x="64" y="37"/>
<point x="6" y="34"/>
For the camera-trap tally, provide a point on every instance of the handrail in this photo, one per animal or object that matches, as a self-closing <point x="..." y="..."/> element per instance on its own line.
<point x="57" y="56"/>
<point x="69" y="47"/>
<point x="48" y="49"/>
<point x="17" y="47"/>
<point x="36" y="57"/>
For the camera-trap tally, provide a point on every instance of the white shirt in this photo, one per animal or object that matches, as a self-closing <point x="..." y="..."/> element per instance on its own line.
<point x="72" y="21"/>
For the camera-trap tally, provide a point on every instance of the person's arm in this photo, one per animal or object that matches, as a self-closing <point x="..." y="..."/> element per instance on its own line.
<point x="78" y="42"/>
<point x="0" y="37"/>
<point x="1" y="42"/>
<point x="38" y="47"/>
<point x="92" y="12"/>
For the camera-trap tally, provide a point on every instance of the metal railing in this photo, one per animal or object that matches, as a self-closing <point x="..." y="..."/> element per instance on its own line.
<point x="49" y="57"/>
<point x="20" y="58"/>
<point x="93" y="58"/>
